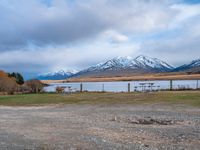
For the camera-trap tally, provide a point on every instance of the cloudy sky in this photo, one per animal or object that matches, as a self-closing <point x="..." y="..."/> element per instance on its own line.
<point x="38" y="36"/>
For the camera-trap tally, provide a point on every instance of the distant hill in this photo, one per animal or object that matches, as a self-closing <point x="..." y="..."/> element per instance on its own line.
<point x="59" y="75"/>
<point x="121" y="66"/>
<point x="192" y="67"/>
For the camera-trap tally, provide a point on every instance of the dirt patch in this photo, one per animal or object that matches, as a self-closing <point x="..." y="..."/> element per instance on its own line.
<point x="100" y="127"/>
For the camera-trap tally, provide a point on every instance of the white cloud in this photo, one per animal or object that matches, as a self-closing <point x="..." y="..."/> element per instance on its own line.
<point x="62" y="22"/>
<point x="56" y="58"/>
<point x="180" y="48"/>
<point x="115" y="36"/>
<point x="184" y="12"/>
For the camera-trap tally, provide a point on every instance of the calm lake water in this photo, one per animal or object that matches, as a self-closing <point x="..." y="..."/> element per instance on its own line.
<point x="123" y="85"/>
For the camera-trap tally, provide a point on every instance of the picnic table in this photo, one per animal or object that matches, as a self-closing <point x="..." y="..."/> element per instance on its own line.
<point x="148" y="85"/>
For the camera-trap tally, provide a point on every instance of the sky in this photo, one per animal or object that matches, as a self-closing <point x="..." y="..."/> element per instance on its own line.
<point x="38" y="36"/>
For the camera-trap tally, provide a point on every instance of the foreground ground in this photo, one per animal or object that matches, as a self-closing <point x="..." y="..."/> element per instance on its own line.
<point x="164" y="120"/>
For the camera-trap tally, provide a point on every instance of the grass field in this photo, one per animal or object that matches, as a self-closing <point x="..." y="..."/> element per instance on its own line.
<point x="174" y="97"/>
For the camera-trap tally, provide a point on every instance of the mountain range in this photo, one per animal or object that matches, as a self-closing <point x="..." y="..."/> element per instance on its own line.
<point x="120" y="66"/>
<point x="123" y="66"/>
<point x="193" y="67"/>
<point x="58" y="75"/>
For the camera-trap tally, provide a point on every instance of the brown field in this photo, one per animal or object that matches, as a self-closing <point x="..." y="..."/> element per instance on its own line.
<point x="169" y="76"/>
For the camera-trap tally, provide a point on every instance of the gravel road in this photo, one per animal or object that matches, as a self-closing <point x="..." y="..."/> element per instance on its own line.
<point x="77" y="127"/>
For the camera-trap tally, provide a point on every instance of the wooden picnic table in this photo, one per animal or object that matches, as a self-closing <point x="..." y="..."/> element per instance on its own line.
<point x="148" y="84"/>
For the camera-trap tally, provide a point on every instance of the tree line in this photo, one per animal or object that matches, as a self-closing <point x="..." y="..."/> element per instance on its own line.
<point x="11" y="83"/>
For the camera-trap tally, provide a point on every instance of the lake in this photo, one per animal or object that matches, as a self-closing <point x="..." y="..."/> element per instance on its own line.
<point x="122" y="86"/>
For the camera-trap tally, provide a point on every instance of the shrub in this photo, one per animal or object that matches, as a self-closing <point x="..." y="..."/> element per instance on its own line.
<point x="8" y="85"/>
<point x="34" y="85"/>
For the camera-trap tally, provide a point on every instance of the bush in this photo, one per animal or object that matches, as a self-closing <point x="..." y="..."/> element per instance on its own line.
<point x="8" y="85"/>
<point x="34" y="85"/>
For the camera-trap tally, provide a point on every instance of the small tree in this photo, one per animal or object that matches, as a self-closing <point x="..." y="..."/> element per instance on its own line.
<point x="8" y="85"/>
<point x="19" y="78"/>
<point x="35" y="85"/>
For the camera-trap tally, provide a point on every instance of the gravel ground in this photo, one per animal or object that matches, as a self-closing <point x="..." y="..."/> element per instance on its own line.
<point x="60" y="127"/>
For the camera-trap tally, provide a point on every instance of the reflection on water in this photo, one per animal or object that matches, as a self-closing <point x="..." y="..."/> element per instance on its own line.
<point x="123" y="86"/>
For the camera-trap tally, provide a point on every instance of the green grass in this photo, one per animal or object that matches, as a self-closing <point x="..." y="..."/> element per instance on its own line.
<point x="181" y="97"/>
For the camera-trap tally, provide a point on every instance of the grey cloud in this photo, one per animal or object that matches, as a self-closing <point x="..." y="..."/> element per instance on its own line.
<point x="36" y="37"/>
<point x="25" y="23"/>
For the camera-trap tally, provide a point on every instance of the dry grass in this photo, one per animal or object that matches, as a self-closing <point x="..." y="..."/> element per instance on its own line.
<point x="51" y="81"/>
<point x="169" y="97"/>
<point x="138" y="77"/>
<point x="161" y="76"/>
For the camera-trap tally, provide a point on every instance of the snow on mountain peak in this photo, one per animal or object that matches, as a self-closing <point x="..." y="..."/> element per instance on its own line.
<point x="61" y="72"/>
<point x="195" y="63"/>
<point x="122" y="61"/>
<point x="152" y="62"/>
<point x="128" y="62"/>
<point x="123" y="58"/>
<point x="57" y="75"/>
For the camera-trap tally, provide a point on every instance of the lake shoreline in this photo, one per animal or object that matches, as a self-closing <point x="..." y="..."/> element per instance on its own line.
<point x="125" y="86"/>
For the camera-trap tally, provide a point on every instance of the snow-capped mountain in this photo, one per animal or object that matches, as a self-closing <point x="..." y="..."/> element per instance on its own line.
<point x="153" y="63"/>
<point x="59" y="75"/>
<point x="128" y="62"/>
<point x="122" y="65"/>
<point x="194" y="66"/>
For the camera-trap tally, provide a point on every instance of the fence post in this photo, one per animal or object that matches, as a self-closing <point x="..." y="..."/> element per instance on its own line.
<point x="81" y="87"/>
<point x="129" y="87"/>
<point x="171" y="85"/>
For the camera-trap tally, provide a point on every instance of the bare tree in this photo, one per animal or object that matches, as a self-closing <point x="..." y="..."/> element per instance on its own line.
<point x="8" y="85"/>
<point x="34" y="85"/>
